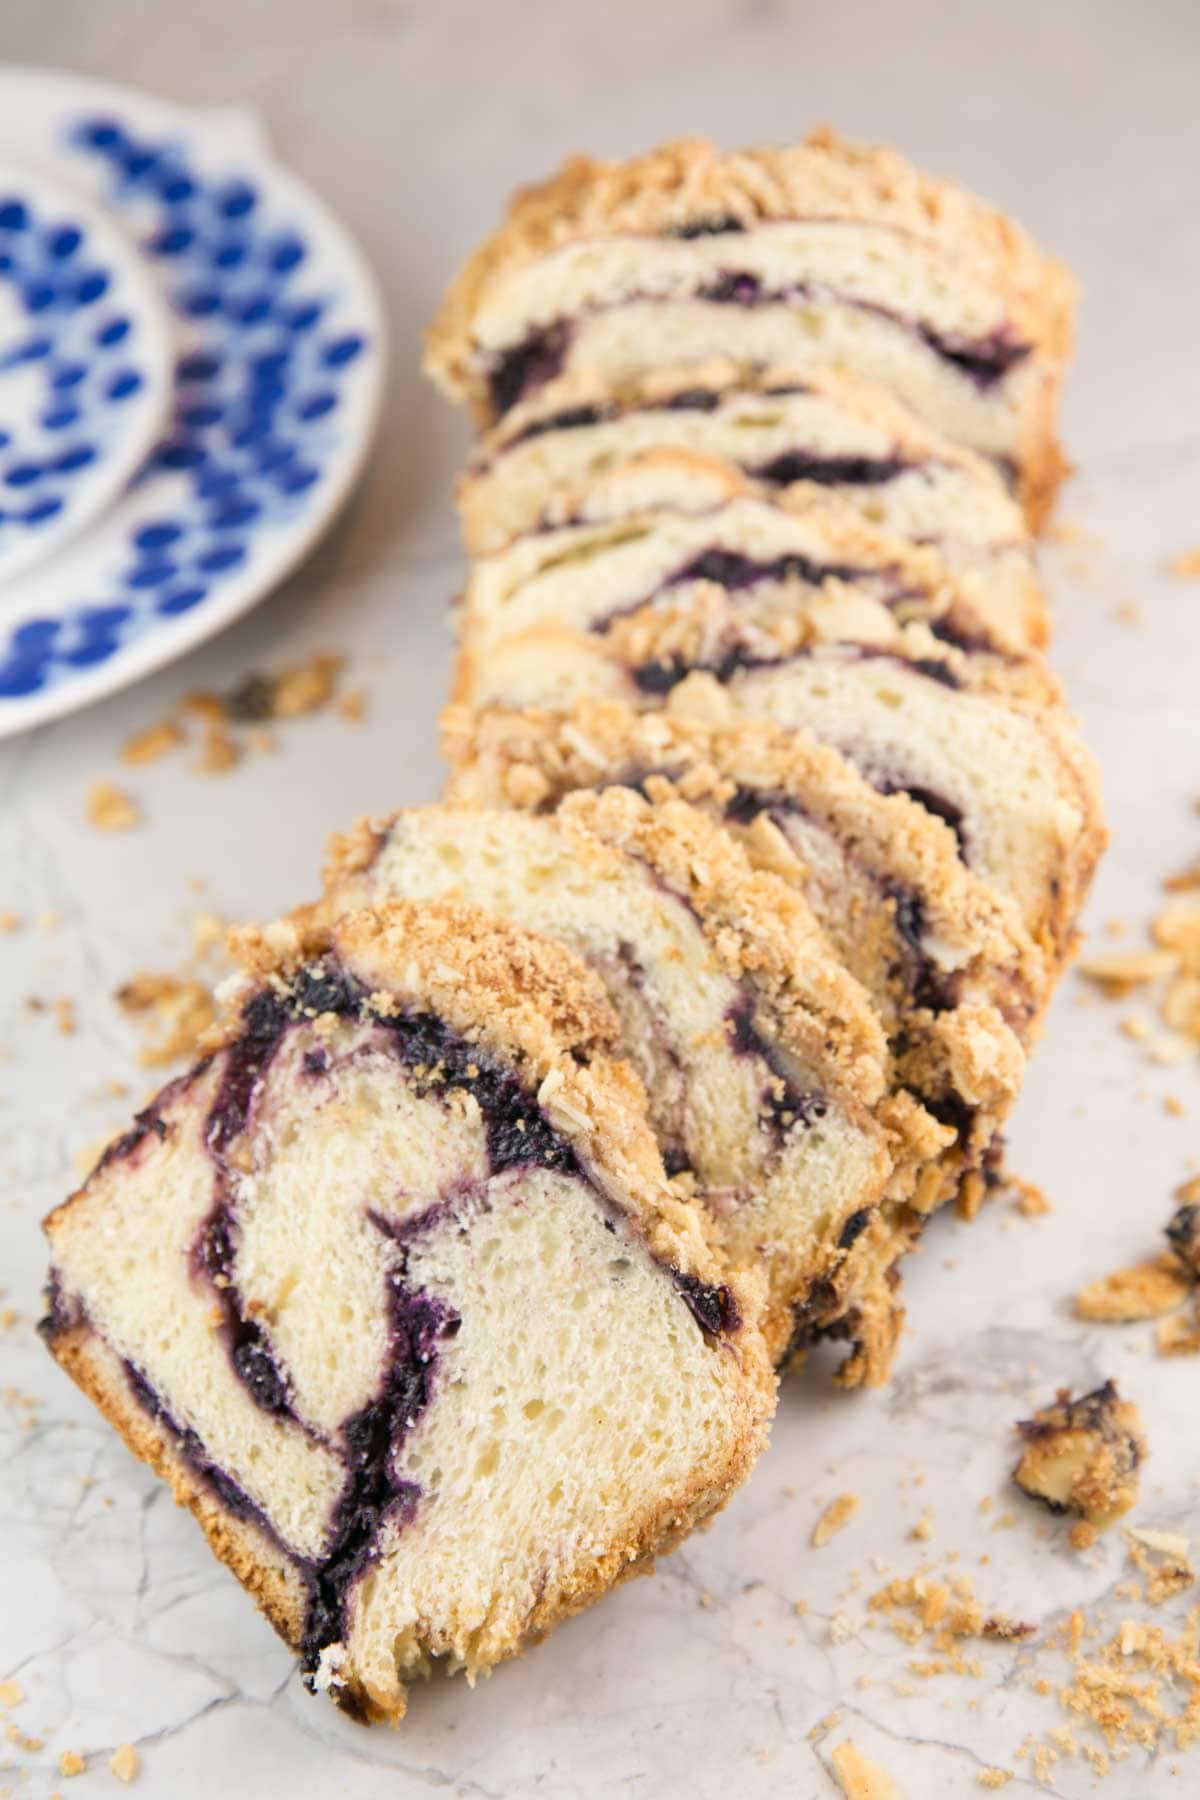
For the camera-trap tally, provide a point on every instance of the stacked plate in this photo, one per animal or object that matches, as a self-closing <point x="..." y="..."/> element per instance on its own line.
<point x="191" y="361"/>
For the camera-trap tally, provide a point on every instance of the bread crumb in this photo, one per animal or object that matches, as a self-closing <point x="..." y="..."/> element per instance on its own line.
<point x="1144" y="1291"/>
<point x="972" y="1191"/>
<point x="64" y="1012"/>
<point x="1173" y="1106"/>
<point x="10" y="922"/>
<point x="353" y="706"/>
<point x="218" y="754"/>
<point x="858" y="1777"/>
<point x="109" y="809"/>
<point x="1186" y="566"/>
<point x="1082" y="1535"/>
<point x="148" y="745"/>
<point x="11" y="1693"/>
<point x="1177" y="1336"/>
<point x="174" y="1011"/>
<point x="208" y="932"/>
<point x="922" y="1531"/>
<point x="1083" y="1455"/>
<point x="1128" y="612"/>
<point x="837" y="1514"/>
<point x="71" y="1763"/>
<point x="1119" y="971"/>
<point x="307" y="688"/>
<point x="1028" y="1200"/>
<point x="124" y="1762"/>
<point x="993" y="1778"/>
<point x="1168" y="1577"/>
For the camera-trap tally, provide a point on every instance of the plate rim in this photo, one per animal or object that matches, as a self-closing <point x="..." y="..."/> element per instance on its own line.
<point x="144" y="657"/>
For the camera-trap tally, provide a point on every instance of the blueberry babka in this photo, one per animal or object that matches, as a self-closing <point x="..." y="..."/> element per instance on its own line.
<point x="762" y="1057"/>
<point x="956" y="981"/>
<point x="823" y="253"/>
<point x="446" y="1289"/>
<point x="394" y="1292"/>
<point x="541" y="465"/>
<point x="729" y="575"/>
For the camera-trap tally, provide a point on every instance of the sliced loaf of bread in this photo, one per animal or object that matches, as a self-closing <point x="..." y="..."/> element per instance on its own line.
<point x="393" y="1291"/>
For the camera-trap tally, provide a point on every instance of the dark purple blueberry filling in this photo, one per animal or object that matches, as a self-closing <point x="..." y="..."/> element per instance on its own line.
<point x="854" y="1227"/>
<point x="189" y="1447"/>
<point x="733" y="287"/>
<point x="732" y="570"/>
<point x="659" y="677"/>
<point x="675" y="1160"/>
<point x="254" y="1363"/>
<point x="572" y="418"/>
<point x="143" y="1125"/>
<point x="713" y="1308"/>
<point x="316" y="1062"/>
<point x="928" y="987"/>
<point x="952" y="1110"/>
<point x="830" y="471"/>
<point x="784" y="1105"/>
<point x="529" y="365"/>
<point x="935" y="670"/>
<point x="986" y="360"/>
<point x="61" y="1314"/>
<point x="716" y="225"/>
<point x="374" y="1493"/>
<point x="972" y="642"/>
<point x="691" y="400"/>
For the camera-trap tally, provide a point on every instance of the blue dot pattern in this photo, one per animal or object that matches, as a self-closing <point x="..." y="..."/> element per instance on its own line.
<point x="58" y="286"/>
<point x="258" y="391"/>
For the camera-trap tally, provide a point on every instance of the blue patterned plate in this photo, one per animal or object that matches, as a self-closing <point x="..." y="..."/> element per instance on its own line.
<point x="197" y="356"/>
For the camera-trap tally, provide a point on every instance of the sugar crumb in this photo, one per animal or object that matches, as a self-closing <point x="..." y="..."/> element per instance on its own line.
<point x="858" y="1777"/>
<point x="835" y="1517"/>
<point x="111" y="809"/>
<point x="124" y="1762"/>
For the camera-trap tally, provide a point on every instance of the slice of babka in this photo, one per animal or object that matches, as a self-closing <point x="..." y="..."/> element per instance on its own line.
<point x="822" y="253"/>
<point x="726" y="574"/>
<point x="542" y="464"/>
<point x="762" y="1058"/>
<point x="1008" y="775"/>
<point x="393" y="1290"/>
<point x="955" y="979"/>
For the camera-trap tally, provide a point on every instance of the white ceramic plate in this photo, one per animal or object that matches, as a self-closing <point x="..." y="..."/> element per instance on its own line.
<point x="201" y="395"/>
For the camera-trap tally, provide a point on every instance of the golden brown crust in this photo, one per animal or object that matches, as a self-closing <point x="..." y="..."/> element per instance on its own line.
<point x="691" y="179"/>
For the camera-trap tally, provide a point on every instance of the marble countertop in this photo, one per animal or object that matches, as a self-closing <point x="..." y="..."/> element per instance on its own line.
<point x="705" y="1679"/>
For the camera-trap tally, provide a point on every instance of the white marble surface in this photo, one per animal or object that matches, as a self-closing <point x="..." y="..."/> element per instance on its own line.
<point x="701" y="1680"/>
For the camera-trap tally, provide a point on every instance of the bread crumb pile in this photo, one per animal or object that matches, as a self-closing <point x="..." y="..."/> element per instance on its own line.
<point x="1170" y="968"/>
<point x="1165" y="1287"/>
<point x="174" y="1010"/>
<point x="222" y="728"/>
